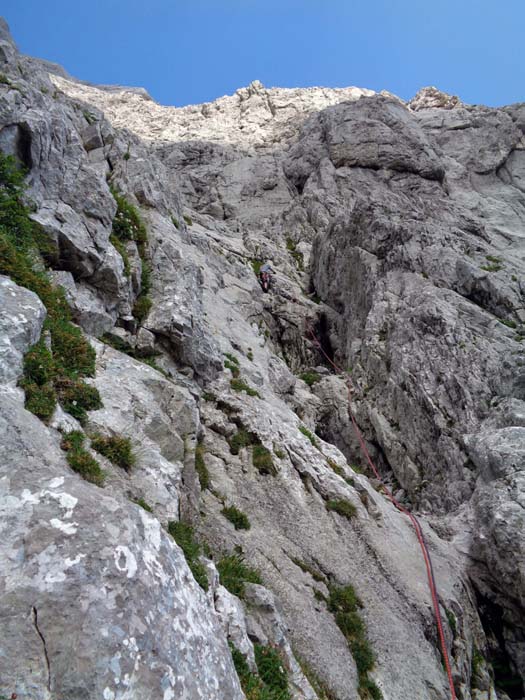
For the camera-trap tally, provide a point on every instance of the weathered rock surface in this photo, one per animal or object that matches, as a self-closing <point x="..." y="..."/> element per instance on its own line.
<point x="405" y="223"/>
<point x="96" y="599"/>
<point x="22" y="315"/>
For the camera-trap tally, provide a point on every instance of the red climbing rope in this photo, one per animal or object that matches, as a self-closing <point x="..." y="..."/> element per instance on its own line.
<point x="413" y="519"/>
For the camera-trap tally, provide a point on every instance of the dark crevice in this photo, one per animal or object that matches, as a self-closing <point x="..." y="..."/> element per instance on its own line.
<point x="321" y="330"/>
<point x="35" y="622"/>
<point x="506" y="677"/>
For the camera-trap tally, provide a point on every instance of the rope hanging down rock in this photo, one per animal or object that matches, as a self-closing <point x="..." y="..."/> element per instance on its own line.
<point x="417" y="527"/>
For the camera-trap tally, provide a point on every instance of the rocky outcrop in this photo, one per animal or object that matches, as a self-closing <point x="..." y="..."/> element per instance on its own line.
<point x="395" y="231"/>
<point x="21" y="323"/>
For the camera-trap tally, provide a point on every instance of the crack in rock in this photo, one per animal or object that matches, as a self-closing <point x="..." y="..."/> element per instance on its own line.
<point x="46" y="655"/>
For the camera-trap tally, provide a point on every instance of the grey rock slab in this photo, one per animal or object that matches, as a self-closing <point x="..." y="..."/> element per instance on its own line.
<point x="22" y="315"/>
<point x="142" y="404"/>
<point x="96" y="574"/>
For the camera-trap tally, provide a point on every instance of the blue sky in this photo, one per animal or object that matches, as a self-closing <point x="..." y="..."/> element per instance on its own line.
<point x="191" y="51"/>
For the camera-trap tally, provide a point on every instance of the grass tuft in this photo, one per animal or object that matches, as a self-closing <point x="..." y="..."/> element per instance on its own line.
<point x="236" y="517"/>
<point x="115" y="448"/>
<point x="201" y="468"/>
<point x="234" y="574"/>
<point x="270" y="681"/>
<point x="232" y="363"/>
<point x="240" y="385"/>
<point x="344" y="603"/>
<point x="304" y="430"/>
<point x="142" y="503"/>
<point x="128" y="226"/>
<point x="77" y="398"/>
<point x="242" y="438"/>
<point x="298" y="257"/>
<point x="261" y="456"/>
<point x="256" y="266"/>
<point x="120" y="247"/>
<point x="309" y="569"/>
<point x="510" y="324"/>
<point x="80" y="460"/>
<point x="342" y="507"/>
<point x="184" y="536"/>
<point x="262" y="460"/>
<point x="40" y="400"/>
<point x="335" y="467"/>
<point x="271" y="672"/>
<point x="310" y="378"/>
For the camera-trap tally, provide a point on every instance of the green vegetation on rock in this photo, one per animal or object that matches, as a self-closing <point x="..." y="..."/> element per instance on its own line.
<point x="232" y="363"/>
<point x="53" y="373"/>
<point x="79" y="458"/>
<point x="261" y="456"/>
<point x="240" y="385"/>
<point x="184" y="536"/>
<point x="298" y="257"/>
<point x="310" y="378"/>
<point x="270" y="682"/>
<point x="128" y="226"/>
<point x="115" y="448"/>
<point x="256" y="266"/>
<point x="234" y="573"/>
<point x="342" y="507"/>
<point x="143" y="504"/>
<point x="309" y="569"/>
<point x="200" y="466"/>
<point x="344" y="603"/>
<point x="262" y="460"/>
<point x="238" y="519"/>
<point x="304" y="430"/>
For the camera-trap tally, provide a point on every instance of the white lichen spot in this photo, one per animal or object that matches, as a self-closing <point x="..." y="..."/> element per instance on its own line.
<point x="71" y="562"/>
<point x="56" y="482"/>
<point x="108" y="694"/>
<point x="151" y="530"/>
<point x="66" y="528"/>
<point x="55" y="577"/>
<point x="125" y="561"/>
<point x="28" y="497"/>
<point x="66" y="501"/>
<point x="154" y="567"/>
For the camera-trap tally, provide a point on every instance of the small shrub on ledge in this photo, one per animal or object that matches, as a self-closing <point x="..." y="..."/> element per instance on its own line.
<point x="342" y="507"/>
<point x="238" y="519"/>
<point x="234" y="574"/>
<point x="115" y="448"/>
<point x="79" y="458"/>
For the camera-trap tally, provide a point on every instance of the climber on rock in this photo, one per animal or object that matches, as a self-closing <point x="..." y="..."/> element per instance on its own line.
<point x="265" y="275"/>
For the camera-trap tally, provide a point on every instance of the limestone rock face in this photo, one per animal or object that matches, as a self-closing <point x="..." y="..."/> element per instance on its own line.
<point x="396" y="234"/>
<point x="21" y="317"/>
<point x="255" y="116"/>
<point x="96" y="597"/>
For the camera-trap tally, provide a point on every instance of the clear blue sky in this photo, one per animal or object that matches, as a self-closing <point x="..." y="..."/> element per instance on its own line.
<point x="191" y="51"/>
